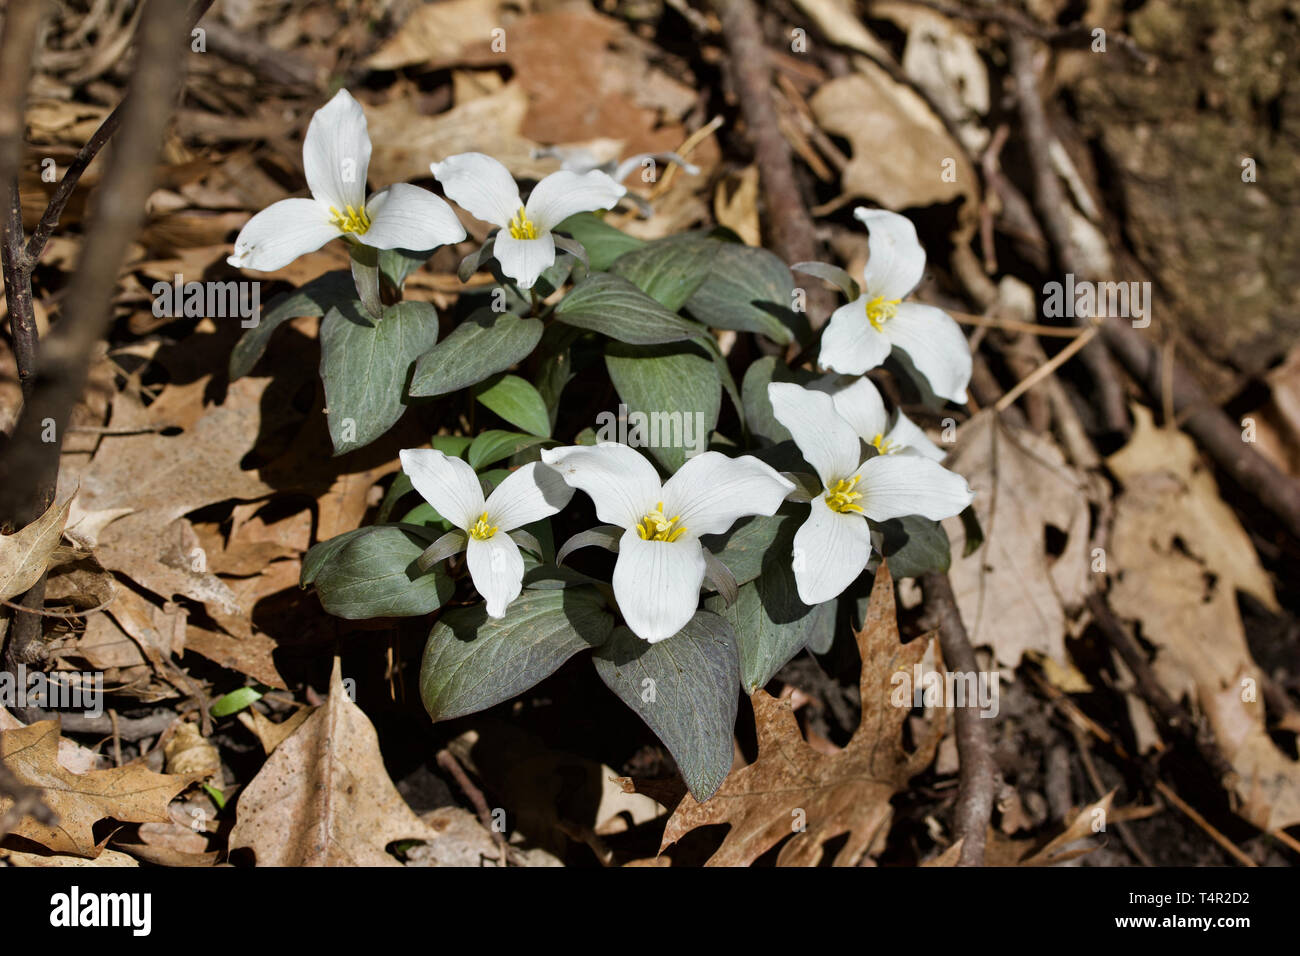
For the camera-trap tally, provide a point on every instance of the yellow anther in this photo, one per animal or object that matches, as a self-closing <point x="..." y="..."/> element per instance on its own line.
<point x="482" y="530"/>
<point x="521" y="227"/>
<point x="840" y="496"/>
<point x="655" y="527"/>
<point x="881" y="444"/>
<point x="880" y="310"/>
<point x="355" y="221"/>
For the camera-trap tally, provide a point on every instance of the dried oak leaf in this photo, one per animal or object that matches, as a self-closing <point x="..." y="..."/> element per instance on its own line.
<point x="1012" y="592"/>
<point x="25" y="555"/>
<point x="323" y="797"/>
<point x="844" y="793"/>
<point x="132" y="794"/>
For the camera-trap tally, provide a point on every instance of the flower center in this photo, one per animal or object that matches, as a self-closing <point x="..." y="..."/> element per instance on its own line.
<point x="482" y="530"/>
<point x="881" y="444"/>
<point x="353" y="220"/>
<point x="521" y="227"/>
<point x="840" y="496"/>
<point x="655" y="527"/>
<point x="880" y="310"/>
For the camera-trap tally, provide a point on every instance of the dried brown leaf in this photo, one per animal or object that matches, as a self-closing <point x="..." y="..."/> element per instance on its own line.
<point x="790" y="782"/>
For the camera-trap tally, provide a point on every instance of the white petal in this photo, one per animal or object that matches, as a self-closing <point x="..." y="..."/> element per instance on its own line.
<point x="282" y="232"/>
<point x="908" y="436"/>
<point x="623" y="486"/>
<point x="336" y="153"/>
<point x="897" y="261"/>
<point x="497" y="569"/>
<point x="408" y="217"/>
<point x="564" y="193"/>
<point x="851" y="345"/>
<point x="858" y="402"/>
<point x="449" y="484"/>
<point x="896" y="485"/>
<point x="481" y="185"/>
<point x="711" y="491"/>
<point x="657" y="584"/>
<point x="936" y="346"/>
<point x="827" y="441"/>
<point x="524" y="259"/>
<point x="530" y="493"/>
<point x="830" y="551"/>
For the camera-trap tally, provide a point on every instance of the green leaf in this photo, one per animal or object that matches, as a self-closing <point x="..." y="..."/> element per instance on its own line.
<point x="396" y="264"/>
<point x="485" y="343"/>
<point x="424" y="515"/>
<point x="493" y="445"/>
<point x="758" y="407"/>
<point x="603" y="242"/>
<point x="613" y="306"/>
<point x="914" y="545"/>
<point x="669" y="270"/>
<point x="234" y="702"/>
<point x="749" y="290"/>
<point x="678" y="385"/>
<point x="743" y="548"/>
<point x="321" y="553"/>
<point x="686" y="689"/>
<point x="772" y="624"/>
<point x="517" y="402"/>
<point x="365" y="365"/>
<point x="374" y="574"/>
<point x="472" y="661"/>
<point x="315" y="298"/>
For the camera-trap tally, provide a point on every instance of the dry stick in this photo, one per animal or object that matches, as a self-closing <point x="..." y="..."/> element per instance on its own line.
<point x="1200" y="416"/>
<point x="64" y="359"/>
<point x="1148" y="687"/>
<point x="793" y="237"/>
<point x="21" y="35"/>
<point x="978" y="780"/>
<point x="447" y="761"/>
<point x="1051" y="201"/>
<point x="1072" y="712"/>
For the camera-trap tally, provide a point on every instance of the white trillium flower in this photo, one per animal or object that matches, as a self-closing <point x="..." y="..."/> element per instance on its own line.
<point x="335" y="159"/>
<point x="661" y="562"/>
<point x="858" y="402"/>
<point x="861" y="334"/>
<point x="527" y="494"/>
<point x="832" y="547"/>
<point x="524" y="246"/>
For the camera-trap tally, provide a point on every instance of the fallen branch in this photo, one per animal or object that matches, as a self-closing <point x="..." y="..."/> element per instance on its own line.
<point x="1218" y="434"/>
<point x="977" y="786"/>
<point x="794" y="238"/>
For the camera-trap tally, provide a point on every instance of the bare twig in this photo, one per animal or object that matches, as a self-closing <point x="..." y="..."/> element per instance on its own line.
<point x="448" y="762"/>
<point x="793" y="236"/>
<point x="1052" y="205"/>
<point x="977" y="789"/>
<point x="32" y="462"/>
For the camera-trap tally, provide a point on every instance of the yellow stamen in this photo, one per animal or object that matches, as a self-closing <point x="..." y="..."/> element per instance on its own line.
<point x="840" y="496"/>
<point x="880" y="310"/>
<point x="655" y="527"/>
<point x="356" y="221"/>
<point x="881" y="445"/>
<point x="521" y="227"/>
<point x="482" y="530"/>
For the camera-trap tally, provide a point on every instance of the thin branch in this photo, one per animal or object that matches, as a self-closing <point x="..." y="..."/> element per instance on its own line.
<point x="63" y="362"/>
<point x="976" y="790"/>
<point x="793" y="236"/>
<point x="1218" y="434"/>
<point x="1052" y="205"/>
<point x="85" y="156"/>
